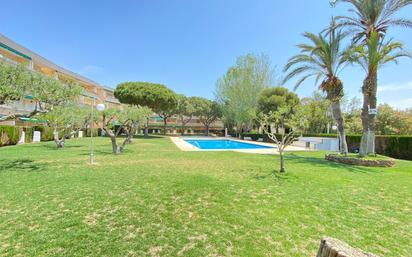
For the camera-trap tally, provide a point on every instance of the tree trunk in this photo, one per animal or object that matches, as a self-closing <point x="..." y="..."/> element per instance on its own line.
<point x="337" y="115"/>
<point x="130" y="134"/>
<point x="115" y="148"/>
<point x="146" y="131"/>
<point x="182" y="130"/>
<point x="164" y="125"/>
<point x="369" y="90"/>
<point x="282" y="162"/>
<point x="207" y="130"/>
<point x="59" y="142"/>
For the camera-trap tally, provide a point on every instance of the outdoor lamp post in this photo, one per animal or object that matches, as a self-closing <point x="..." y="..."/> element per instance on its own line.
<point x="99" y="107"/>
<point x="335" y="128"/>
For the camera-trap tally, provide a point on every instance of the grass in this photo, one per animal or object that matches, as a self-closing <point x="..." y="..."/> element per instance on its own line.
<point x="155" y="200"/>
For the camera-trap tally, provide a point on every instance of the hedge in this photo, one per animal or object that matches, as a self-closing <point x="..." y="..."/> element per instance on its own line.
<point x="9" y="135"/>
<point x="256" y="136"/>
<point x="399" y="147"/>
<point x="28" y="134"/>
<point x="96" y="132"/>
<point x="395" y="146"/>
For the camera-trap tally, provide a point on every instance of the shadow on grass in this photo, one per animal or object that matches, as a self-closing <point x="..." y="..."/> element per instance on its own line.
<point x="147" y="137"/>
<point x="20" y="165"/>
<point x="263" y="174"/>
<point x="54" y="147"/>
<point x="322" y="163"/>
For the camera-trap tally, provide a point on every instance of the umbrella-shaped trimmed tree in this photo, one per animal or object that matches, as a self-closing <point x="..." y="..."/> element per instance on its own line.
<point x="157" y="97"/>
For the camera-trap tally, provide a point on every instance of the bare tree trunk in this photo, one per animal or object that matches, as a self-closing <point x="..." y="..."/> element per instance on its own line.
<point x="164" y="125"/>
<point x="369" y="89"/>
<point x="116" y="148"/>
<point x="130" y="133"/>
<point x="59" y="142"/>
<point x="337" y="115"/>
<point x="282" y="161"/>
<point x="146" y="131"/>
<point x="207" y="130"/>
<point x="182" y="129"/>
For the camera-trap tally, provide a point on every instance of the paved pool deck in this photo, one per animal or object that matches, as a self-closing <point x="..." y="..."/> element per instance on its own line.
<point x="187" y="147"/>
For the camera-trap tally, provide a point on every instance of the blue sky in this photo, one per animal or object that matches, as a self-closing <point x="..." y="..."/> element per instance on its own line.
<point x="185" y="44"/>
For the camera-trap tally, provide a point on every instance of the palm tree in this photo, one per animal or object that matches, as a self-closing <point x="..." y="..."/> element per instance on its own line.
<point x="323" y="58"/>
<point x="371" y="55"/>
<point x="371" y="18"/>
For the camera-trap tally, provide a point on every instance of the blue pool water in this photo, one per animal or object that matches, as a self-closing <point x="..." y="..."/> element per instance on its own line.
<point x="224" y="144"/>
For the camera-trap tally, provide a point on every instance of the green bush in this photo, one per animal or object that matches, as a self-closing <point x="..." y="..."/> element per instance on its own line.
<point x="256" y="136"/>
<point x="96" y="132"/>
<point x="320" y="135"/>
<point x="29" y="134"/>
<point x="9" y="135"/>
<point x="399" y="147"/>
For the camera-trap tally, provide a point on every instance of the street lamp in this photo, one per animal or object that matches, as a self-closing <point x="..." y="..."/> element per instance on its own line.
<point x="335" y="128"/>
<point x="99" y="107"/>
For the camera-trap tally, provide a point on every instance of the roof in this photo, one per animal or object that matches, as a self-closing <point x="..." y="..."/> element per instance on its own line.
<point x="36" y="58"/>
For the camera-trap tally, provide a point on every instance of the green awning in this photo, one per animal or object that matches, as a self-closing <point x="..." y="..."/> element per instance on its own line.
<point x="24" y="119"/>
<point x="29" y="97"/>
<point x="15" y="51"/>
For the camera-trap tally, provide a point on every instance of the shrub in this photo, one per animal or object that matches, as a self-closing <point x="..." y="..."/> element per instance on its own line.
<point x="256" y="136"/>
<point x="29" y="134"/>
<point x="96" y="132"/>
<point x="9" y="135"/>
<point x="395" y="146"/>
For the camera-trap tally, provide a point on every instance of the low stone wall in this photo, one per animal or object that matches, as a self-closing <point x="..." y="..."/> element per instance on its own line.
<point x="331" y="247"/>
<point x="359" y="161"/>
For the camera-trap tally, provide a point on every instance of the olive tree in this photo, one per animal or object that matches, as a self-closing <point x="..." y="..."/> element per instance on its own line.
<point x="66" y="121"/>
<point x="45" y="92"/>
<point x="125" y="120"/>
<point x="14" y="81"/>
<point x="157" y="97"/>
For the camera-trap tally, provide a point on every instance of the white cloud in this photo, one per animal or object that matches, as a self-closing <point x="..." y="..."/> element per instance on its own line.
<point x="90" y="69"/>
<point x="399" y="103"/>
<point x="395" y="87"/>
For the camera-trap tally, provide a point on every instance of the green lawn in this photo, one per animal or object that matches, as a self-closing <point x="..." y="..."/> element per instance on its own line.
<point x="155" y="200"/>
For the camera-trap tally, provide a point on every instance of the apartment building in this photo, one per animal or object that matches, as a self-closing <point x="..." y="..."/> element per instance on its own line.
<point x="13" y="53"/>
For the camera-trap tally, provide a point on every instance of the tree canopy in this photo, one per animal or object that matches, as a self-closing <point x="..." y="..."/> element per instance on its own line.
<point x="45" y="92"/>
<point x="271" y="99"/>
<point x="207" y="111"/>
<point x="157" y="97"/>
<point x="239" y="88"/>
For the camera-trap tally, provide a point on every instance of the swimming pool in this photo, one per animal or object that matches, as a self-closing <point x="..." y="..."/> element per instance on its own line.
<point x="223" y="144"/>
